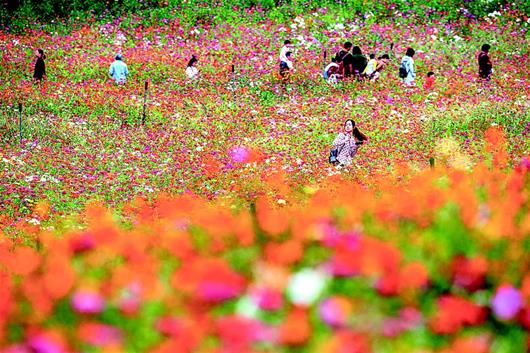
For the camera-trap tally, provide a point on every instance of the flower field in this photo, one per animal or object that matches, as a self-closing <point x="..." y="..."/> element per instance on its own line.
<point x="217" y="225"/>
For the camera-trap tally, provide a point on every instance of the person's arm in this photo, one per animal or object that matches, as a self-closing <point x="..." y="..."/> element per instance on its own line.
<point x="412" y="73"/>
<point x="339" y="140"/>
<point x="126" y="71"/>
<point x="111" y="70"/>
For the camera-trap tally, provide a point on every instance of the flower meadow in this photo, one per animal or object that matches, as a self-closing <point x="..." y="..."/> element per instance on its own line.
<point x="431" y="261"/>
<point x="217" y="225"/>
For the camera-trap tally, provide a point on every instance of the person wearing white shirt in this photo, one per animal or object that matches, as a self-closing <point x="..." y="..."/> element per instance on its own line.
<point x="191" y="71"/>
<point x="286" y="48"/>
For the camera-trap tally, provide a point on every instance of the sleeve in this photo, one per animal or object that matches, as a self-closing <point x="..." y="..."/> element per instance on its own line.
<point x="111" y="70"/>
<point x="340" y="139"/>
<point x="411" y="69"/>
<point x="126" y="71"/>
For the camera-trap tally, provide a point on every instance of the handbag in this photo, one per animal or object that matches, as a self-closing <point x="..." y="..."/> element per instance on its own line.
<point x="334" y="153"/>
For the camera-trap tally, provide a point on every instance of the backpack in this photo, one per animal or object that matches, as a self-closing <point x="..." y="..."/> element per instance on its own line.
<point x="403" y="72"/>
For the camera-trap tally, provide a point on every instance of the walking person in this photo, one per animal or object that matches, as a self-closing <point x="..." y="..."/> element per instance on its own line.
<point x="191" y="70"/>
<point x="40" y="67"/>
<point x="485" y="67"/>
<point x="118" y="70"/>
<point x="406" y="70"/>
<point x="347" y="143"/>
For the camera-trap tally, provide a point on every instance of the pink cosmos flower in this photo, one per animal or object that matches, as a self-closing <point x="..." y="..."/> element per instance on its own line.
<point x="87" y="302"/>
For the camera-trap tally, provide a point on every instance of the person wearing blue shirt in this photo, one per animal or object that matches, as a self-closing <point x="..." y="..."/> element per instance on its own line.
<point x="118" y="70"/>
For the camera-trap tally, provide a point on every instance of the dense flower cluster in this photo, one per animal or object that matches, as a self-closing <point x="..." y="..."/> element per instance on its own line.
<point x="433" y="262"/>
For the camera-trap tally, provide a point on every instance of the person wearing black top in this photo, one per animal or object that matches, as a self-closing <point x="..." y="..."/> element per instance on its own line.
<point x="485" y="68"/>
<point x="40" y="67"/>
<point x="359" y="61"/>
<point x="344" y="59"/>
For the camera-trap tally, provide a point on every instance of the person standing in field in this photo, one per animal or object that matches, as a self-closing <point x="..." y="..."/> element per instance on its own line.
<point x="40" y="67"/>
<point x="287" y="47"/>
<point x="118" y="70"/>
<point x="347" y="143"/>
<point x="191" y="70"/>
<point x="485" y="67"/>
<point x="406" y="70"/>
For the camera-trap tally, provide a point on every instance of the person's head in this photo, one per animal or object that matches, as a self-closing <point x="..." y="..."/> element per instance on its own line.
<point x="192" y="61"/>
<point x="40" y="53"/>
<point x="349" y="125"/>
<point x="348" y="45"/>
<point x="372" y="56"/>
<point x="430" y="74"/>
<point x="486" y="48"/>
<point x="356" y="50"/>
<point x="287" y="42"/>
<point x="410" y="52"/>
<point x="118" y="56"/>
<point x="288" y="54"/>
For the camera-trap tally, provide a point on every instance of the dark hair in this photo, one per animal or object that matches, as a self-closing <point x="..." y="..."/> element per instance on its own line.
<point x="288" y="53"/>
<point x="372" y="56"/>
<point x="384" y="56"/>
<point x="486" y="47"/>
<point x="348" y="45"/>
<point x="430" y="73"/>
<point x="192" y="61"/>
<point x="333" y="60"/>
<point x="356" y="132"/>
<point x="410" y="52"/>
<point x="356" y="50"/>
<point x="41" y="52"/>
<point x="287" y="41"/>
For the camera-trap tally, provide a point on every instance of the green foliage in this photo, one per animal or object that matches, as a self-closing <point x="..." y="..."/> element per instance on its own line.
<point x="25" y="13"/>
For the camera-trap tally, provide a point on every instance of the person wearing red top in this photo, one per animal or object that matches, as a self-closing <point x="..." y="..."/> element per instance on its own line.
<point x="429" y="81"/>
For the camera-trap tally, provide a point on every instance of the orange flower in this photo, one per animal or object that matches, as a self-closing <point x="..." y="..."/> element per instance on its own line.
<point x="455" y="312"/>
<point x="474" y="344"/>
<point x="296" y="329"/>
<point x="22" y="261"/>
<point x="272" y="220"/>
<point x="286" y="253"/>
<point x="59" y="277"/>
<point x="413" y="276"/>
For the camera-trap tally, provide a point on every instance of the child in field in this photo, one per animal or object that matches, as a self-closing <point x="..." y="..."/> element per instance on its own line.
<point x="429" y="81"/>
<point x="331" y="72"/>
<point x="369" y="71"/>
<point x="382" y="61"/>
<point x="191" y="71"/>
<point x="485" y="67"/>
<point x="118" y="70"/>
<point x="286" y="66"/>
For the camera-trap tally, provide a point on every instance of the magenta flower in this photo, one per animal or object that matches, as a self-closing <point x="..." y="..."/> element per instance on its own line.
<point x="43" y="344"/>
<point x="507" y="302"/>
<point x="87" y="302"/>
<point x="334" y="311"/>
<point x="217" y="291"/>
<point x="268" y="299"/>
<point x="239" y="154"/>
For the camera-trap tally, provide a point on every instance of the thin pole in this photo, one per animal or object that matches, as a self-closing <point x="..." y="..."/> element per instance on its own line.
<point x="145" y="101"/>
<point x="234" y="82"/>
<point x="20" y="121"/>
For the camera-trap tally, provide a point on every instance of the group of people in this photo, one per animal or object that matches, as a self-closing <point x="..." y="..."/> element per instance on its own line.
<point x="350" y="62"/>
